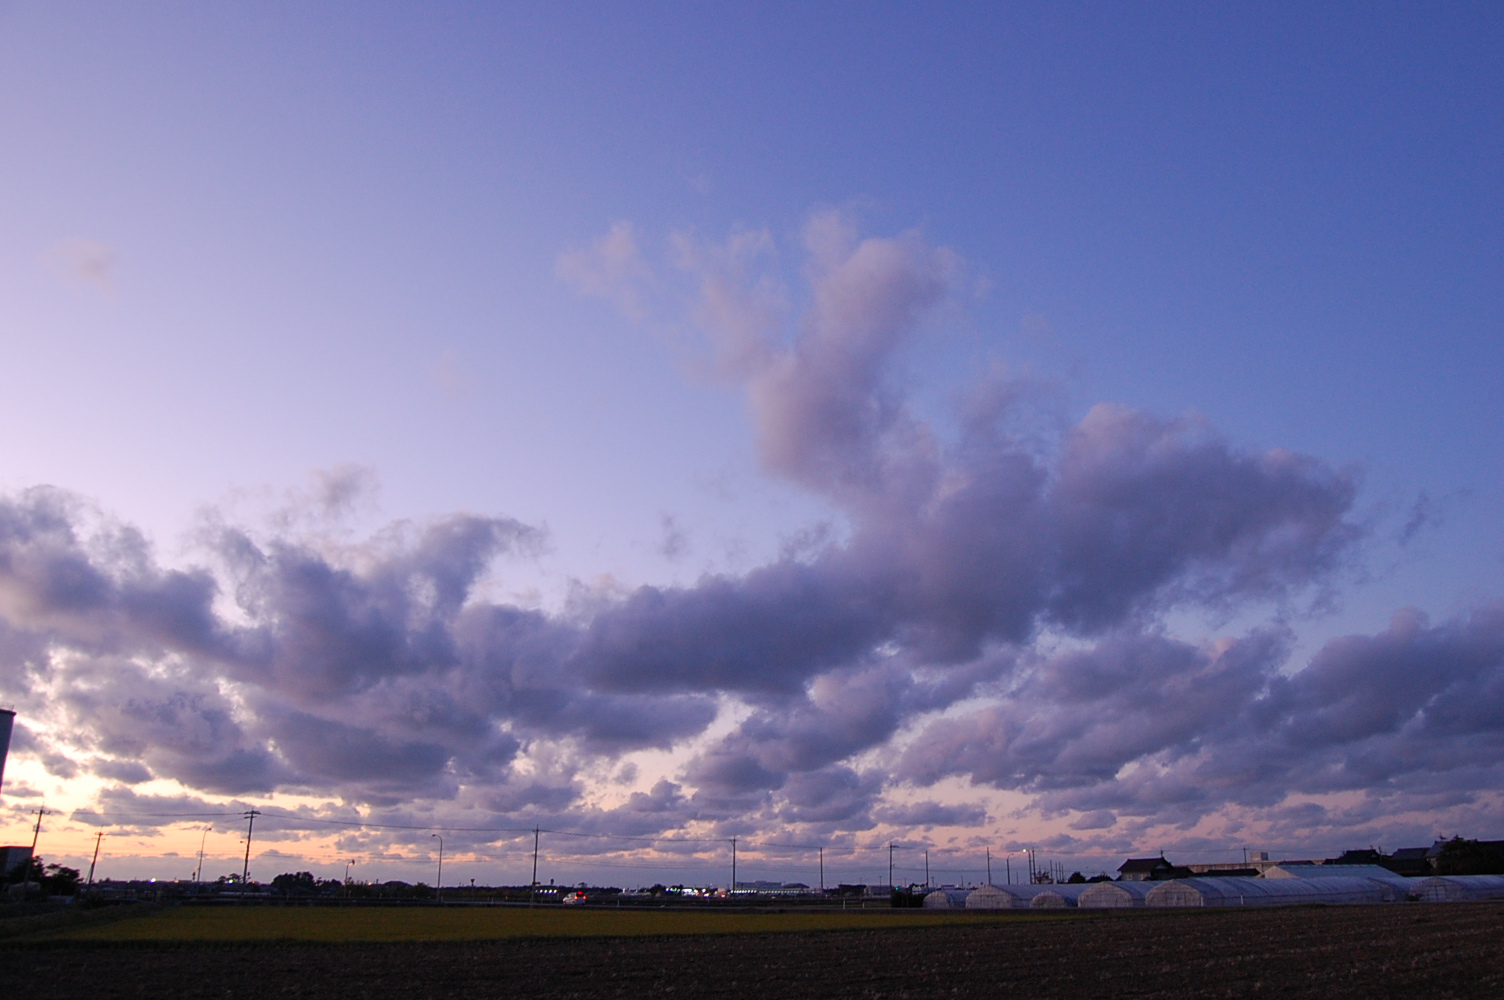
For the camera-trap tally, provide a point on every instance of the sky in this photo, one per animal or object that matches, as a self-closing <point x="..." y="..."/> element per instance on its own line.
<point x="970" y="427"/>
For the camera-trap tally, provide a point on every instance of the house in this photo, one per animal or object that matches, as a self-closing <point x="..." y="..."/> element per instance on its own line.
<point x="1145" y="870"/>
<point x="1413" y="862"/>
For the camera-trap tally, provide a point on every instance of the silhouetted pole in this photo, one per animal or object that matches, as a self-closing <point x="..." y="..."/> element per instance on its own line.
<point x="822" y="871"/>
<point x="7" y="719"/>
<point x="989" y="866"/>
<point x="890" y="866"/>
<point x="97" y="838"/>
<point x="36" y="831"/>
<point x="926" y="867"/>
<point x="532" y="893"/>
<point x="733" y="866"/>
<point x="245" y="873"/>
<point x="438" y="889"/>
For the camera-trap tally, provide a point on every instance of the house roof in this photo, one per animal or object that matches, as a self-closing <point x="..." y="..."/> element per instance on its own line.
<point x="1143" y="865"/>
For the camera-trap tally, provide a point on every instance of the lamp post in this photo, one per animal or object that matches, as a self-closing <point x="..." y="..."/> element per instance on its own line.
<point x="439" y="887"/>
<point x="198" y="873"/>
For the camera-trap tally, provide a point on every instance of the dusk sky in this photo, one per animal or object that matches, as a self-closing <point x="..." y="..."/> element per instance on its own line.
<point x="1069" y="426"/>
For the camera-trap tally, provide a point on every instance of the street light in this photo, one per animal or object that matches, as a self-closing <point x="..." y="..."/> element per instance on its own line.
<point x="439" y="888"/>
<point x="347" y="875"/>
<point x="198" y="873"/>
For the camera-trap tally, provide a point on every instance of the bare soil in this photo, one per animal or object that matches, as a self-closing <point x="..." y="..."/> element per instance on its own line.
<point x="1410" y="951"/>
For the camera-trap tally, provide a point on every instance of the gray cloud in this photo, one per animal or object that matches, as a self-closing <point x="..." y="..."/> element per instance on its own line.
<point x="377" y="672"/>
<point x="931" y="813"/>
<point x="1151" y="727"/>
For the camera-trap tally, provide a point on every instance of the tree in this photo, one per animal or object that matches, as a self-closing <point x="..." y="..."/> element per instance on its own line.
<point x="1471" y="857"/>
<point x="28" y="871"/>
<point x="295" y="883"/>
<point x="60" y="881"/>
<point x="54" y="880"/>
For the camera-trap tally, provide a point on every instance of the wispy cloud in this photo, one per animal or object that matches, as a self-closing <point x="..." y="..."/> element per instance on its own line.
<point x="84" y="263"/>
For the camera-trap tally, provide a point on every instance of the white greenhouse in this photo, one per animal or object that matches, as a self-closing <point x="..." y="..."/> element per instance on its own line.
<point x="946" y="899"/>
<point x="1400" y="887"/>
<point x="1001" y="897"/>
<point x="1334" y="871"/>
<point x="1054" y="897"/>
<point x="1115" y="895"/>
<point x="1240" y="891"/>
<point x="1459" y="888"/>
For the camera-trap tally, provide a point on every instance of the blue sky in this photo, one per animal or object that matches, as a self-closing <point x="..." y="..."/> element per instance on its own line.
<point x="252" y="254"/>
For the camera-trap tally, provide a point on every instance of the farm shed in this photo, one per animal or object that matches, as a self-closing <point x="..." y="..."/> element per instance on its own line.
<point x="1115" y="895"/>
<point x="1268" y="891"/>
<point x="1459" y="888"/>
<point x="946" y="899"/>
<point x="1001" y="897"/>
<point x="1054" y="897"/>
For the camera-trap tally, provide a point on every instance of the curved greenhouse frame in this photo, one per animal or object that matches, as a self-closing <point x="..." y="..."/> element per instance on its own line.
<point x="1459" y="888"/>
<point x="946" y="899"/>
<point x="1115" y="895"/>
<point x="1269" y="892"/>
<point x="1058" y="896"/>
<point x="1001" y="897"/>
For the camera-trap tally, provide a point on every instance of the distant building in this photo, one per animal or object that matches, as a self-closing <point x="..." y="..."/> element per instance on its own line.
<point x="1412" y="862"/>
<point x="1365" y="856"/>
<point x="1256" y="864"/>
<point x="12" y="858"/>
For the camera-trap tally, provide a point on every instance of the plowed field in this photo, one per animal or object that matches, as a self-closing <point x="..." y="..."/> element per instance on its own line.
<point x="1410" y="951"/>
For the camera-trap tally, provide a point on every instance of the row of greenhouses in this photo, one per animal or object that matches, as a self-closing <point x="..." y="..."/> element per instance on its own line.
<point x="1283" y="890"/>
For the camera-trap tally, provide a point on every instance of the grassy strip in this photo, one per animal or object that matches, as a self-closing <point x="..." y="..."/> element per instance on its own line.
<point x="68" y="919"/>
<point x="334" y="925"/>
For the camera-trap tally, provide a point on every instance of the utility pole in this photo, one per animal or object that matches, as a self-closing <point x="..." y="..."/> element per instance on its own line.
<point x="1008" y="868"/>
<point x="532" y="892"/>
<point x="822" y="871"/>
<point x="733" y="867"/>
<point x="989" y="866"/>
<point x="926" y="867"/>
<point x="439" y="886"/>
<point x="97" y="838"/>
<point x="890" y="865"/>
<point x="36" y="831"/>
<point x="245" y="873"/>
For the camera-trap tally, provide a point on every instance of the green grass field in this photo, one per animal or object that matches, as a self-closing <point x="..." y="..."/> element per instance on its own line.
<point x="273" y="923"/>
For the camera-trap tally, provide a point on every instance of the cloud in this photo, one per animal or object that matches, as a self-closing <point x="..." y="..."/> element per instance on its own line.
<point x="611" y="267"/>
<point x="451" y="378"/>
<point x="85" y="262"/>
<point x="1152" y="727"/>
<point x="992" y="607"/>
<point x="675" y="542"/>
<point x="930" y="814"/>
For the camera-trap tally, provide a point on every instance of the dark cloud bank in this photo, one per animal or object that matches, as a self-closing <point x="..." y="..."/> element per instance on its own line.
<point x="1021" y="586"/>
